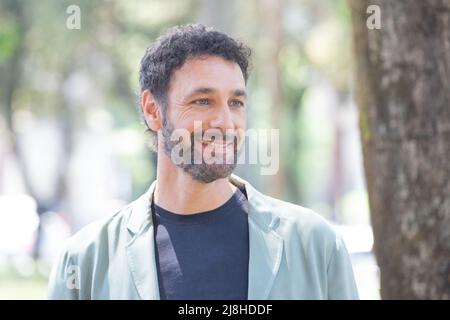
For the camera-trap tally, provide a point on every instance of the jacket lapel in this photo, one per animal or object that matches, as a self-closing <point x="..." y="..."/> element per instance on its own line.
<point x="265" y="256"/>
<point x="141" y="248"/>
<point x="141" y="259"/>
<point x="266" y="245"/>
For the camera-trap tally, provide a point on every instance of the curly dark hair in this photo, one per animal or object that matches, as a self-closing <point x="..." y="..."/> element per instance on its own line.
<point x="171" y="50"/>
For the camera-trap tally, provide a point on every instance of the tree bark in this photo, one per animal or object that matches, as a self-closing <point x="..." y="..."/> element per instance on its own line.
<point x="403" y="95"/>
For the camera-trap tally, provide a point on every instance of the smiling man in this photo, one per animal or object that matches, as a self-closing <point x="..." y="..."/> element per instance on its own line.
<point x="201" y="232"/>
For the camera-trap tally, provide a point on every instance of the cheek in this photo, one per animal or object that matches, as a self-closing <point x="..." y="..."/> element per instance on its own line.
<point x="190" y="119"/>
<point x="240" y="120"/>
<point x="185" y="119"/>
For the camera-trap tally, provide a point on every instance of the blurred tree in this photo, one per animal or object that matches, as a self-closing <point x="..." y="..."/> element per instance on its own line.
<point x="85" y="84"/>
<point x="272" y="23"/>
<point x="402" y="89"/>
<point x="217" y="14"/>
<point x="15" y="63"/>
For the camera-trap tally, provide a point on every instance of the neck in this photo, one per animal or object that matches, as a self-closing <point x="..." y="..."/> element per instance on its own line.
<point x="176" y="191"/>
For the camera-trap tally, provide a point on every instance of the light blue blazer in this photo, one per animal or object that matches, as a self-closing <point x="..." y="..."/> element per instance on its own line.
<point x="294" y="254"/>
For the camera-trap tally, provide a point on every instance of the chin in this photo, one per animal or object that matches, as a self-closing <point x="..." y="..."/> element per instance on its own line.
<point x="207" y="173"/>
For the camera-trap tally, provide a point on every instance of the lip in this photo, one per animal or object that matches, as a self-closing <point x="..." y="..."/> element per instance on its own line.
<point x="218" y="146"/>
<point x="215" y="142"/>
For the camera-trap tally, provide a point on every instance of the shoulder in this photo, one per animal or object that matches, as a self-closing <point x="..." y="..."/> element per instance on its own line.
<point x="100" y="235"/>
<point x="295" y="222"/>
<point x="304" y="219"/>
<point x="86" y="255"/>
<point x="311" y="242"/>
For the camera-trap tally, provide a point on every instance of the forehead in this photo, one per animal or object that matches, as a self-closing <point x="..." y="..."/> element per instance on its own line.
<point x="207" y="71"/>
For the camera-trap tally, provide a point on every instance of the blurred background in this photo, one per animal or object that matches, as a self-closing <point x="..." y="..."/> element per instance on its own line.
<point x="73" y="149"/>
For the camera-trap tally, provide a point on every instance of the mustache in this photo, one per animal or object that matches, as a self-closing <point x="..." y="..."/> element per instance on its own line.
<point x="173" y="137"/>
<point x="215" y="136"/>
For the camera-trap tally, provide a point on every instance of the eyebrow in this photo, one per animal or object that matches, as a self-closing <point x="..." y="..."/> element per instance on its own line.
<point x="239" y="93"/>
<point x="206" y="90"/>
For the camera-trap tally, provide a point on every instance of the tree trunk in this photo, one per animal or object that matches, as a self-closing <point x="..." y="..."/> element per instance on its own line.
<point x="273" y="29"/>
<point x="18" y="10"/>
<point x="403" y="94"/>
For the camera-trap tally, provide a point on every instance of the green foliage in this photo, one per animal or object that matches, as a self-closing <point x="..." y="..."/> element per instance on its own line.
<point x="9" y="38"/>
<point x="16" y="285"/>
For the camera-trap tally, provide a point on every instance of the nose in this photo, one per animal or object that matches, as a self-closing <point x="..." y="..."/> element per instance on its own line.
<point x="222" y="119"/>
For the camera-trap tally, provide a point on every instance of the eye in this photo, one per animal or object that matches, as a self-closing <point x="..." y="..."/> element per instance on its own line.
<point x="236" y="103"/>
<point x="202" y="102"/>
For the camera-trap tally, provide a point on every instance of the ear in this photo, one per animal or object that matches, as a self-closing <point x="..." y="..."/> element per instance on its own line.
<point x="151" y="110"/>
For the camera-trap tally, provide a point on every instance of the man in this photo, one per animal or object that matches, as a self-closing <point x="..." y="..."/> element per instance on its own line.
<point x="200" y="232"/>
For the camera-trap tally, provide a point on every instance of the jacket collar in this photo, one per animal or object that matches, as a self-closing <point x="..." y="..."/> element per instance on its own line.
<point x="266" y="245"/>
<point x="140" y="214"/>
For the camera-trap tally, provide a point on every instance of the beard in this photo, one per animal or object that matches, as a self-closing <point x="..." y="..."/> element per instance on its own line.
<point x="203" y="172"/>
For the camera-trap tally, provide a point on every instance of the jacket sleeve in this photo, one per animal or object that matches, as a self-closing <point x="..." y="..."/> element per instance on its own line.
<point x="64" y="278"/>
<point x="340" y="278"/>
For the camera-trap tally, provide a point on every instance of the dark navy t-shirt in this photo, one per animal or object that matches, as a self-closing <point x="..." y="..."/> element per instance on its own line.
<point x="203" y="255"/>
